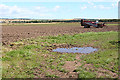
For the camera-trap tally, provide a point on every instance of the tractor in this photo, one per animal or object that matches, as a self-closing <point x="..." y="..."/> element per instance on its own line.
<point x="87" y="24"/>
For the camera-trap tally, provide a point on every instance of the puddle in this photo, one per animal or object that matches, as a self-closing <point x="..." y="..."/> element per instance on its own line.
<point x="84" y="50"/>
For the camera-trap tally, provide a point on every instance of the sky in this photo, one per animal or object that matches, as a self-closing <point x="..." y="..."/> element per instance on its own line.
<point x="63" y="9"/>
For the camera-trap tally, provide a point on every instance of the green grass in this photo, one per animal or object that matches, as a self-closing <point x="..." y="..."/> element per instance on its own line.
<point x="112" y="24"/>
<point x="51" y="76"/>
<point x="34" y="54"/>
<point x="85" y="74"/>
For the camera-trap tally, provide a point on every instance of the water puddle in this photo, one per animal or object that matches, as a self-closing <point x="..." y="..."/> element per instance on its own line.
<point x="84" y="50"/>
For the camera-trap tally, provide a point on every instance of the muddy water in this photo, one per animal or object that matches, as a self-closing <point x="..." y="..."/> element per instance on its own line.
<point x="84" y="50"/>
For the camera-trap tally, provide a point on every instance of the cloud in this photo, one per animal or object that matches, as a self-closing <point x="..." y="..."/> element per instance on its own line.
<point x="25" y="12"/>
<point x="91" y="3"/>
<point x="56" y="8"/>
<point x="94" y="6"/>
<point x="114" y="5"/>
<point x="84" y="7"/>
<point x="103" y="7"/>
<point x="17" y="12"/>
<point x="41" y="9"/>
<point x="45" y="9"/>
<point x="4" y="9"/>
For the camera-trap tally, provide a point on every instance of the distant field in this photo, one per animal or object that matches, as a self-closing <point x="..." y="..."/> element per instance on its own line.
<point x="111" y="22"/>
<point x="107" y="23"/>
<point x="25" y="23"/>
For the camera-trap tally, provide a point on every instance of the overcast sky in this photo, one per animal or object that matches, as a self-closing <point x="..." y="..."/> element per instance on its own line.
<point x="93" y="9"/>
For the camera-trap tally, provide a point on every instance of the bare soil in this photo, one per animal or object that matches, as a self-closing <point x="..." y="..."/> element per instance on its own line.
<point x="14" y="33"/>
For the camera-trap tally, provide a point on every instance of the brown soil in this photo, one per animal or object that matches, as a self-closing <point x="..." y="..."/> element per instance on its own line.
<point x="15" y="33"/>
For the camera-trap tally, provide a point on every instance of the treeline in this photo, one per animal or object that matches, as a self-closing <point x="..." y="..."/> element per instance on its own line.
<point x="109" y="20"/>
<point x="45" y="21"/>
<point x="105" y="20"/>
<point x="66" y="21"/>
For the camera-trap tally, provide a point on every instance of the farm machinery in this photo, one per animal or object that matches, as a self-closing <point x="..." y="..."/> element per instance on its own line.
<point x="87" y="24"/>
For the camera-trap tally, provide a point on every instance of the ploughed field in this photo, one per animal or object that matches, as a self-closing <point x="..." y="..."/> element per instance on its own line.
<point x="13" y="33"/>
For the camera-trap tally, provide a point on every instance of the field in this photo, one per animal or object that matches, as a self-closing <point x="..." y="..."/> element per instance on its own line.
<point x="16" y="32"/>
<point x="27" y="51"/>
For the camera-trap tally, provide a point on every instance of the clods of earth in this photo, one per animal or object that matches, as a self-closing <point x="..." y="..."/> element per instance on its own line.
<point x="15" y="33"/>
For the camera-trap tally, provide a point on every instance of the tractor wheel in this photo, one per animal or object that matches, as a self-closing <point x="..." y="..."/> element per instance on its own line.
<point x="82" y="23"/>
<point x="100" y="26"/>
<point x="86" y="26"/>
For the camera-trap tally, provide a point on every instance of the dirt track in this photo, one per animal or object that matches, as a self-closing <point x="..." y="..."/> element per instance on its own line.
<point x="15" y="33"/>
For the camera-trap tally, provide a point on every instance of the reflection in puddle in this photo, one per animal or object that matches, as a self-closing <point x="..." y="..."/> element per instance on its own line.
<point x="76" y="50"/>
